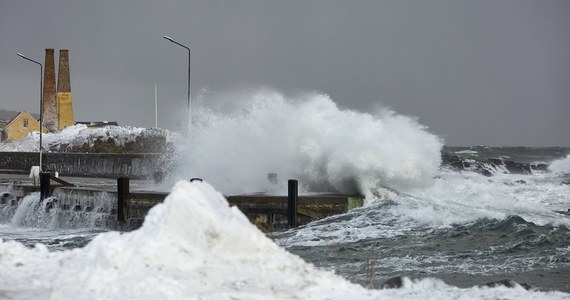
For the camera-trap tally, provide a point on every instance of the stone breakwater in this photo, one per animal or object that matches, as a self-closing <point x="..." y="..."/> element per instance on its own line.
<point x="86" y="164"/>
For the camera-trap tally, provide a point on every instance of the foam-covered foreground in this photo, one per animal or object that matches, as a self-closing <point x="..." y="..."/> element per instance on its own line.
<point x="194" y="246"/>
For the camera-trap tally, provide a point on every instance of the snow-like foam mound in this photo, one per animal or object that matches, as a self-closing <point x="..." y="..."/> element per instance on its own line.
<point x="191" y="246"/>
<point x="194" y="246"/>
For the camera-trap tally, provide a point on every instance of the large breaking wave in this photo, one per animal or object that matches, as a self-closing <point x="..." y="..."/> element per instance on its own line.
<point x="311" y="139"/>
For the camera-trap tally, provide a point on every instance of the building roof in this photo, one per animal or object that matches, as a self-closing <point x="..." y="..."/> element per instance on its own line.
<point x="14" y="117"/>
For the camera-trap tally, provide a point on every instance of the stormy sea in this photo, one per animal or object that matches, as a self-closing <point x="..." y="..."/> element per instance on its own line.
<point x="492" y="214"/>
<point x="437" y="222"/>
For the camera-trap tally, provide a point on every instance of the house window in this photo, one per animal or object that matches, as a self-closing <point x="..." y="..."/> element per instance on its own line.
<point x="25" y="122"/>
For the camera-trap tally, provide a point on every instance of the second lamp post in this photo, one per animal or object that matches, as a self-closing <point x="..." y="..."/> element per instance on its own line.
<point x="189" y="108"/>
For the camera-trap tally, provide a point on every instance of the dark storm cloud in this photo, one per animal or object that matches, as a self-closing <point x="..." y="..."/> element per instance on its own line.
<point x="475" y="72"/>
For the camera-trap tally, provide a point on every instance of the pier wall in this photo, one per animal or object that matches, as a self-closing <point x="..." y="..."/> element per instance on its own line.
<point x="268" y="213"/>
<point x="84" y="164"/>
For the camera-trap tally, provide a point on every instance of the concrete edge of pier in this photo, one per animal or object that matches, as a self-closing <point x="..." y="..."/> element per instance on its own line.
<point x="268" y="212"/>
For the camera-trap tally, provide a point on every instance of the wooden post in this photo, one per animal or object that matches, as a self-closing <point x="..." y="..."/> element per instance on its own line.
<point x="122" y="199"/>
<point x="44" y="185"/>
<point x="292" y="194"/>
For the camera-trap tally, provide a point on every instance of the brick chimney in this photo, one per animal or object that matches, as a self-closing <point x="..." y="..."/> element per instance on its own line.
<point x="64" y="99"/>
<point x="49" y="93"/>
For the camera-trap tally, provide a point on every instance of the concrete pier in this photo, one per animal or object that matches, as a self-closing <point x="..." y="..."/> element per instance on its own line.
<point x="94" y="165"/>
<point x="267" y="212"/>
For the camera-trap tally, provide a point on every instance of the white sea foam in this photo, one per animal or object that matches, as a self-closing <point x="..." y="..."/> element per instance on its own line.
<point x="466" y="152"/>
<point x="194" y="246"/>
<point x="311" y="139"/>
<point x="561" y="166"/>
<point x="453" y="199"/>
<point x="461" y="198"/>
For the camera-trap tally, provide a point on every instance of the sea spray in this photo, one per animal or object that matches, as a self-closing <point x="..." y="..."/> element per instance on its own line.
<point x="309" y="138"/>
<point x="561" y="166"/>
<point x="65" y="210"/>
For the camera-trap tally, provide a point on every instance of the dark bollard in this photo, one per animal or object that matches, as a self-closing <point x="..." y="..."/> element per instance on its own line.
<point x="122" y="199"/>
<point x="292" y="194"/>
<point x="44" y="185"/>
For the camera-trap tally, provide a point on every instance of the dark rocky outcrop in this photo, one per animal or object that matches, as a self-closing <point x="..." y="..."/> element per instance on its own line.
<point x="487" y="167"/>
<point x="508" y="283"/>
<point x="392" y="283"/>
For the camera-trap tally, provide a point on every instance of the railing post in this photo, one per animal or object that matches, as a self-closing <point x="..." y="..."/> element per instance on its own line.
<point x="44" y="185"/>
<point x="122" y="199"/>
<point x="292" y="194"/>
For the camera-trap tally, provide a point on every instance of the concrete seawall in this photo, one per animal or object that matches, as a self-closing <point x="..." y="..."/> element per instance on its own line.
<point x="267" y="212"/>
<point x="84" y="164"/>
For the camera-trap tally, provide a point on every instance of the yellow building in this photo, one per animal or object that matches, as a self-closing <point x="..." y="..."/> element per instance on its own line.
<point x="18" y="128"/>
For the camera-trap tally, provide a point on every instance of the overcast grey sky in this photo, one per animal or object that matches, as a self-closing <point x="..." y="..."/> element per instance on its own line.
<point x="476" y="72"/>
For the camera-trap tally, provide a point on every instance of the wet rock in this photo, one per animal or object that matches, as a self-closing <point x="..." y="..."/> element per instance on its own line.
<point x="486" y="167"/>
<point x="485" y="172"/>
<point x="453" y="161"/>
<point x="508" y="283"/>
<point x="4" y="197"/>
<point x="539" y="167"/>
<point x="517" y="168"/>
<point x="392" y="283"/>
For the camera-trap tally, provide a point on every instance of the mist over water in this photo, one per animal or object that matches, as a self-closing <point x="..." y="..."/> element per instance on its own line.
<point x="309" y="138"/>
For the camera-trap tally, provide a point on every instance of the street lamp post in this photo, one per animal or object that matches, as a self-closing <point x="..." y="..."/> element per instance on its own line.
<point x="41" y="104"/>
<point x="189" y="110"/>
